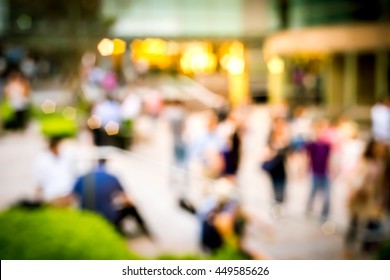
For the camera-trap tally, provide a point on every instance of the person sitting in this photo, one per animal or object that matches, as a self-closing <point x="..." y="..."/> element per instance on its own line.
<point x="101" y="192"/>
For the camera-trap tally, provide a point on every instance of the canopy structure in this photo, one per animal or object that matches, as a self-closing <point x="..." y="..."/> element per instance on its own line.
<point x="330" y="39"/>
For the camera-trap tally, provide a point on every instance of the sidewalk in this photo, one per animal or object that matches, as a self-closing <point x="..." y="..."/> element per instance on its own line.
<point x="145" y="175"/>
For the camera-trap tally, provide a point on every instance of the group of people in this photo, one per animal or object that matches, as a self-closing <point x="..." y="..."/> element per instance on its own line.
<point x="330" y="150"/>
<point x="114" y="115"/>
<point x="301" y="138"/>
<point x="215" y="148"/>
<point x="335" y="151"/>
<point x="98" y="190"/>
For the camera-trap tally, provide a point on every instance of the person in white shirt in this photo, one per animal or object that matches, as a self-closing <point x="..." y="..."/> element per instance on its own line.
<point x="108" y="111"/>
<point x="380" y="116"/>
<point x="54" y="175"/>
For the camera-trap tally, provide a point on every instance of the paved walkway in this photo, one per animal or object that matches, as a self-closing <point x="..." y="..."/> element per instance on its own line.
<point x="145" y="175"/>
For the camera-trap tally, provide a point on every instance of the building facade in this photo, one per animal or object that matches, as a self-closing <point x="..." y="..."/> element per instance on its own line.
<point x="333" y="52"/>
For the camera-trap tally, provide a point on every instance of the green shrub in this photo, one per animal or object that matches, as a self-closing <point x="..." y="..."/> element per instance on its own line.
<point x="181" y="257"/>
<point x="61" y="234"/>
<point x="55" y="125"/>
<point x="227" y="252"/>
<point x="6" y="111"/>
<point x="384" y="251"/>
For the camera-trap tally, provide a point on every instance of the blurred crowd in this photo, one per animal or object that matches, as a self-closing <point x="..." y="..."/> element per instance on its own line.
<point x="325" y="149"/>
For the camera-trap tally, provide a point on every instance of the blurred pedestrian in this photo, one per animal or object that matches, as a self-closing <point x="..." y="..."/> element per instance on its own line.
<point x="102" y="192"/>
<point x="208" y="148"/>
<point x="366" y="195"/>
<point x="319" y="151"/>
<point x="176" y="115"/>
<point x="230" y="131"/>
<point x="130" y="111"/>
<point x="350" y="150"/>
<point x="380" y="116"/>
<point x="17" y="96"/>
<point x="108" y="119"/>
<point x="54" y="174"/>
<point x="274" y="158"/>
<point x="221" y="219"/>
<point x="300" y="133"/>
<point x="153" y="103"/>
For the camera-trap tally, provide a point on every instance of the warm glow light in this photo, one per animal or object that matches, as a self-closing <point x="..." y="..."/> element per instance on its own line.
<point x="154" y="51"/>
<point x="232" y="57"/>
<point x="119" y="46"/>
<point x="48" y="106"/>
<point x="94" y="122"/>
<point x="234" y="64"/>
<point x="172" y="48"/>
<point x="275" y="65"/>
<point x="198" y="58"/>
<point x="236" y="48"/>
<point x="69" y="113"/>
<point x="106" y="47"/>
<point x="112" y="128"/>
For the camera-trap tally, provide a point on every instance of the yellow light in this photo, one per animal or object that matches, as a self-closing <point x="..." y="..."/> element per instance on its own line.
<point x="94" y="122"/>
<point x="172" y="48"/>
<point x="69" y="113"/>
<point x="275" y="65"/>
<point x="155" y="46"/>
<point x="48" y="106"/>
<point x="236" y="48"/>
<point x="112" y="128"/>
<point x="199" y="62"/>
<point x="198" y="58"/>
<point x="119" y="46"/>
<point x="234" y="64"/>
<point x="106" y="47"/>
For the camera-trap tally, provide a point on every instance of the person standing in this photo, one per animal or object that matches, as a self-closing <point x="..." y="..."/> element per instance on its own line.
<point x="208" y="148"/>
<point x="319" y="154"/>
<point x="176" y="115"/>
<point x="275" y="158"/>
<point x="108" y="114"/>
<point x="17" y="95"/>
<point x="380" y="116"/>
<point x="366" y="195"/>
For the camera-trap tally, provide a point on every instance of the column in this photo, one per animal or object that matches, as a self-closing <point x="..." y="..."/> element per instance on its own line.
<point x="350" y="80"/>
<point x="381" y="82"/>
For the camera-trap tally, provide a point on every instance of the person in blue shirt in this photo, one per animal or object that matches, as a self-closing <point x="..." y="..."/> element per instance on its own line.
<point x="101" y="192"/>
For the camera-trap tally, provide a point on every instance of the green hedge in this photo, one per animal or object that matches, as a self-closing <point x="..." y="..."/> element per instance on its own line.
<point x="69" y="234"/>
<point x="55" y="125"/>
<point x="60" y="234"/>
<point x="384" y="251"/>
<point x="227" y="252"/>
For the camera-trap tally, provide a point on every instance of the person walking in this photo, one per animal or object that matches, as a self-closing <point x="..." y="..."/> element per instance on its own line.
<point x="319" y="157"/>
<point x="275" y="158"/>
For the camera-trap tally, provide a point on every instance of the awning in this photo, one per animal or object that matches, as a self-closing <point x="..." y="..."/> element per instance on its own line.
<point x="330" y="39"/>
